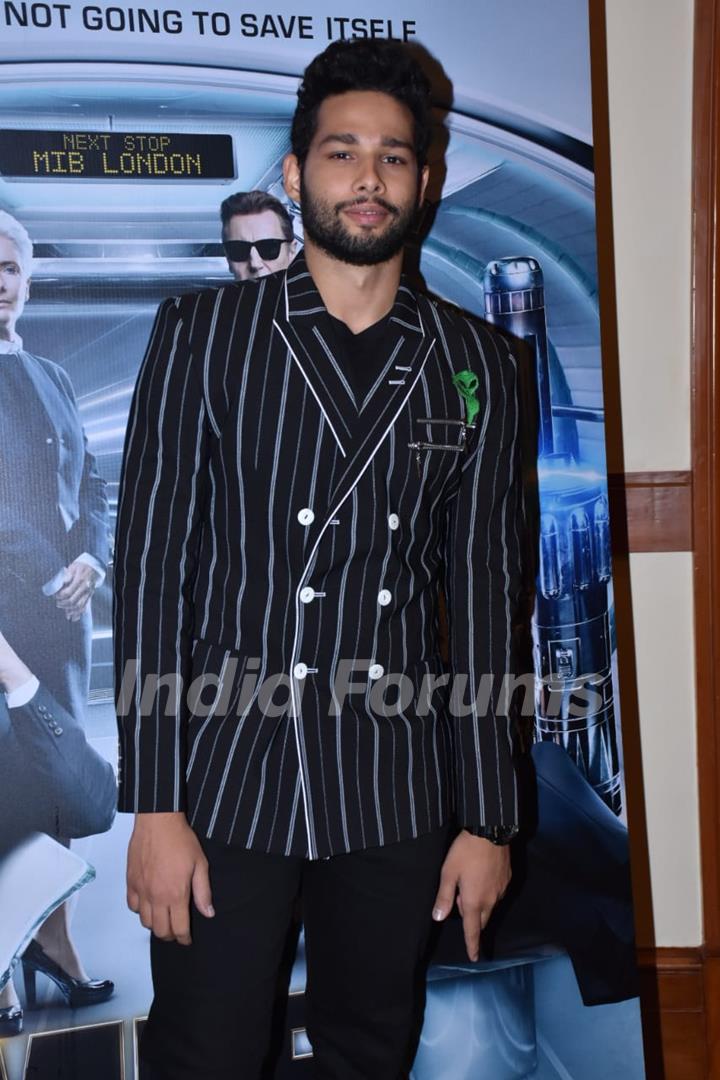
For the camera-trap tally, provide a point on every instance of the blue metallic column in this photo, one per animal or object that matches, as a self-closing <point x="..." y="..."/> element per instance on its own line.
<point x="571" y="625"/>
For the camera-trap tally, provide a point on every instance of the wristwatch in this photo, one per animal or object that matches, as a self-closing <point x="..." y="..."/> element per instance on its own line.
<point x="496" y="834"/>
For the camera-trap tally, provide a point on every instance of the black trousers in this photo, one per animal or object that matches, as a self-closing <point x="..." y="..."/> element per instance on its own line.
<point x="367" y="916"/>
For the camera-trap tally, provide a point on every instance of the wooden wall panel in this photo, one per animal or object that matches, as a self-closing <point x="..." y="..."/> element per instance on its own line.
<point x="651" y="511"/>
<point x="674" y="1016"/>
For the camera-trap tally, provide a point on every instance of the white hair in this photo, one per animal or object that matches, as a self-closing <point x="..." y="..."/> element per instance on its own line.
<point x="18" y="235"/>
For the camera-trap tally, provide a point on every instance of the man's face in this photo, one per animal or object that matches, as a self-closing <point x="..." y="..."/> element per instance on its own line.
<point x="14" y="286"/>
<point x="251" y="227"/>
<point x="360" y="186"/>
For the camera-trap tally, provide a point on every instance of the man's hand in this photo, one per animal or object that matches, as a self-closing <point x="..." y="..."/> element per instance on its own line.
<point x="479" y="872"/>
<point x="76" y="593"/>
<point x="165" y="866"/>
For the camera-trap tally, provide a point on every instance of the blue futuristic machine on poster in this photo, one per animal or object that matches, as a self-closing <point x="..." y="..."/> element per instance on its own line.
<point x="572" y="623"/>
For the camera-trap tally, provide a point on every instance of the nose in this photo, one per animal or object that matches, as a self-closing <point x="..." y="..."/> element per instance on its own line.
<point x="255" y="260"/>
<point x="368" y="179"/>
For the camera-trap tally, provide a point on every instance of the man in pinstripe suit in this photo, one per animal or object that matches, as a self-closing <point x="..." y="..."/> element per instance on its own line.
<point x="298" y="481"/>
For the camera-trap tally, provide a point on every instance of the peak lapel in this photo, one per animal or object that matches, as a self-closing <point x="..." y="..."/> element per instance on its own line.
<point x="298" y="323"/>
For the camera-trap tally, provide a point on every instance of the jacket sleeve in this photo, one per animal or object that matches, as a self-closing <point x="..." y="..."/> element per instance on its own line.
<point x="64" y="787"/>
<point x="90" y="532"/>
<point x="483" y="586"/>
<point x="160" y="506"/>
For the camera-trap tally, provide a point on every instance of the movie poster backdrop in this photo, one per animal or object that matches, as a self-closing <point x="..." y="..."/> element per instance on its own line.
<point x="122" y="129"/>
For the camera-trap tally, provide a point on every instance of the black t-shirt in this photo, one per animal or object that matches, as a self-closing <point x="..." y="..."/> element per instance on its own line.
<point x="361" y="356"/>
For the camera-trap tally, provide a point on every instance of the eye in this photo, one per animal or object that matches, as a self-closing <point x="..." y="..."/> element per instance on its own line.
<point x="341" y="155"/>
<point x="394" y="159"/>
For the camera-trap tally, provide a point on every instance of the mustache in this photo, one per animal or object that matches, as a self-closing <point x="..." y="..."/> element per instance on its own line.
<point x="390" y="207"/>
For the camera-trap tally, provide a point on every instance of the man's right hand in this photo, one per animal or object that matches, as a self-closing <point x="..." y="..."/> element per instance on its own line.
<point x="165" y="867"/>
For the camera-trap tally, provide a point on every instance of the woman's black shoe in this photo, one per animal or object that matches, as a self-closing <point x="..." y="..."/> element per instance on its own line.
<point x="76" y="992"/>
<point x="11" y="1021"/>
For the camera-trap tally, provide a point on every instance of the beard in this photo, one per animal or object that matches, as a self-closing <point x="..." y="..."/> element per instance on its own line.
<point x="324" y="226"/>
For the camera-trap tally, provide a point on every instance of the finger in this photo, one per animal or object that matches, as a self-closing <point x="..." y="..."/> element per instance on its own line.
<point x="71" y="594"/>
<point x="180" y="922"/>
<point x="75" y="611"/>
<point x="133" y="900"/>
<point x="66" y="605"/>
<point x="445" y="897"/>
<point x="69" y="610"/>
<point x="161" y="927"/>
<point x="472" y="923"/>
<point x="201" y="892"/>
<point x="70" y="580"/>
<point x="64" y="592"/>
<point x="146" y="914"/>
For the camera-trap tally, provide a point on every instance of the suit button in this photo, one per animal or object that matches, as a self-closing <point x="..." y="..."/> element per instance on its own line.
<point x="57" y="730"/>
<point x="394" y="521"/>
<point x="306" y="516"/>
<point x="300" y="671"/>
<point x="376" y="671"/>
<point x="384" y="597"/>
<point x="49" y="440"/>
<point x="307" y="594"/>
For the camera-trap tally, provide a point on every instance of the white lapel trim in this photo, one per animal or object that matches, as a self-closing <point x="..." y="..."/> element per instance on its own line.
<point x="307" y="380"/>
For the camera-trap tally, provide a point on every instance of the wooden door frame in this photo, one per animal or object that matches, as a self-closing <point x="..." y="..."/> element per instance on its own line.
<point x="705" y="412"/>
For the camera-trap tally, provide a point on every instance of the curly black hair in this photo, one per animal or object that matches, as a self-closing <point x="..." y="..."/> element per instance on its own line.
<point x="363" y="64"/>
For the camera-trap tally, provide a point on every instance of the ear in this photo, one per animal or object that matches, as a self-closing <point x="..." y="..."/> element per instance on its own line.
<point x="27" y="289"/>
<point x="291" y="177"/>
<point x="424" y="177"/>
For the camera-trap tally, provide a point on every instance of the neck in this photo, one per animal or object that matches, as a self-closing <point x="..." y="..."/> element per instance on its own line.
<point x="358" y="295"/>
<point x="7" y="331"/>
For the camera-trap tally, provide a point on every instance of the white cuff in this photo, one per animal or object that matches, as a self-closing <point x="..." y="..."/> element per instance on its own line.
<point x="22" y="694"/>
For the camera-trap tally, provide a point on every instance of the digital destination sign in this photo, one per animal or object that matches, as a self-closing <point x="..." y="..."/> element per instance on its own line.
<point x="116" y="155"/>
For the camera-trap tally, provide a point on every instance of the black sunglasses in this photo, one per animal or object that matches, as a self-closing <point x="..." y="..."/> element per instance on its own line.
<point x="239" y="250"/>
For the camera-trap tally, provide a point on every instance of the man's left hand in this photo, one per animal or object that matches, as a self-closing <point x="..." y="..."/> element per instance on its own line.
<point x="478" y="872"/>
<point x="76" y="593"/>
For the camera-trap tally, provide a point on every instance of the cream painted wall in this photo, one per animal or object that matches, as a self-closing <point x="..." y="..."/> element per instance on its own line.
<point x="661" y="585"/>
<point x="650" y="98"/>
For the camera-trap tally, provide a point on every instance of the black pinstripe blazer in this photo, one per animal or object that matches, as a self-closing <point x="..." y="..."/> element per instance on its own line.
<point x="271" y="527"/>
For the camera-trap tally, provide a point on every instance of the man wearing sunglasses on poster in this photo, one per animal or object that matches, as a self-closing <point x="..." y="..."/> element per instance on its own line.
<point x="307" y="460"/>
<point x="257" y="234"/>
